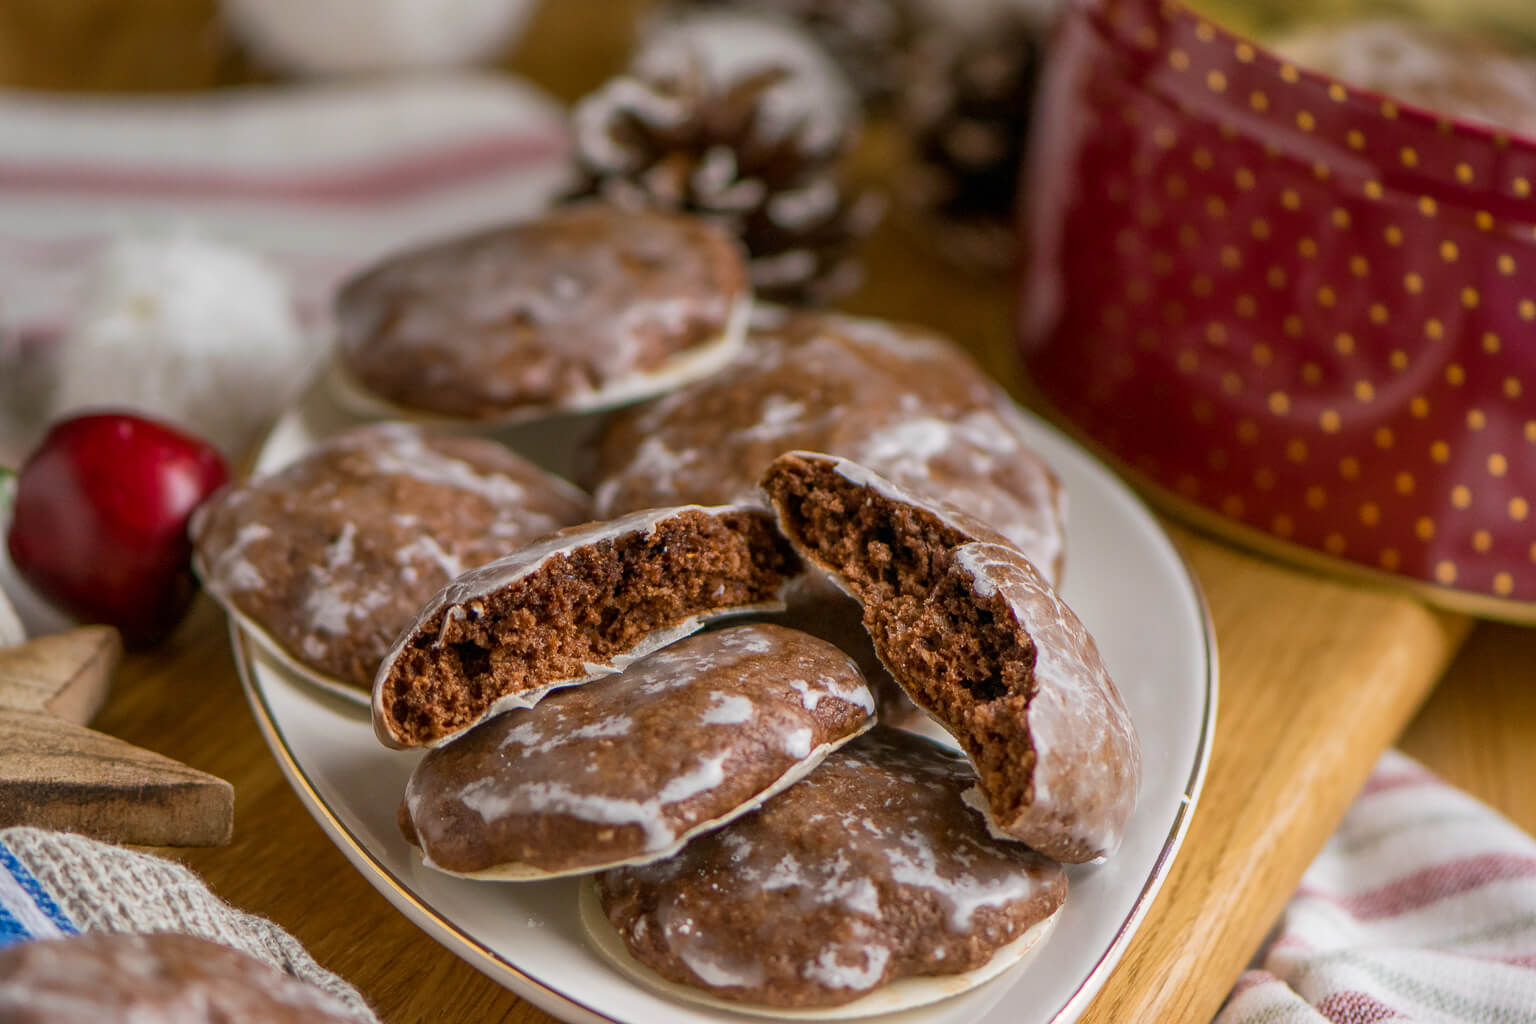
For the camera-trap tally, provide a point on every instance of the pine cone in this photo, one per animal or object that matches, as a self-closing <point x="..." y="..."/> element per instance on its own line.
<point x="674" y="141"/>
<point x="967" y="118"/>
<point x="866" y="38"/>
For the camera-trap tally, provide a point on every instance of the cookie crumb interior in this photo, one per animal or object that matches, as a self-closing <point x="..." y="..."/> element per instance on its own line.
<point x="584" y="606"/>
<point x="956" y="651"/>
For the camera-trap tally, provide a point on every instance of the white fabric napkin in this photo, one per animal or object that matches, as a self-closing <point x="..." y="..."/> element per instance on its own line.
<point x="1420" y="908"/>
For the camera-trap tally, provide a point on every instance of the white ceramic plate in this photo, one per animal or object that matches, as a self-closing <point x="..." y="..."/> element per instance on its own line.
<point x="1124" y="579"/>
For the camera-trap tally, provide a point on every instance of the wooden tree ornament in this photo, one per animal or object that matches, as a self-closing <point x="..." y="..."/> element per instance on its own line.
<point x="56" y="773"/>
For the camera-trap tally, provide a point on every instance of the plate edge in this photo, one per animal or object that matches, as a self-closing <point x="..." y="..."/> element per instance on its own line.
<point x="389" y="885"/>
<point x="485" y="960"/>
<point x="1079" y="1001"/>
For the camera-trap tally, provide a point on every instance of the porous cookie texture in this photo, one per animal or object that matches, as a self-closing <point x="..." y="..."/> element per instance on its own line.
<point x="581" y="308"/>
<point x="332" y="556"/>
<point x="627" y="769"/>
<point x="869" y="870"/>
<point x="979" y="640"/>
<point x="580" y="604"/>
<point x="901" y="400"/>
<point x="106" y="978"/>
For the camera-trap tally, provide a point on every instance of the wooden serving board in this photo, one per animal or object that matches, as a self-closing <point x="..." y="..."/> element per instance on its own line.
<point x="1317" y="676"/>
<point x="56" y="773"/>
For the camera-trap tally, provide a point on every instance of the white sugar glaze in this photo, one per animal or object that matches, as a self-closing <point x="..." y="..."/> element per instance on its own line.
<point x="902" y="994"/>
<point x="884" y="840"/>
<point x="863" y="476"/>
<point x="728" y="709"/>
<point x="684" y="368"/>
<point x="881" y="816"/>
<point x="513" y="872"/>
<point x="801" y="382"/>
<point x="529" y="763"/>
<point x="492" y="799"/>
<point x="833" y="973"/>
<point x="350" y="590"/>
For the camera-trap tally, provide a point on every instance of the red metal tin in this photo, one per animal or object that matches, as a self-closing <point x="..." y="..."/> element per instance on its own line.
<point x="1297" y="308"/>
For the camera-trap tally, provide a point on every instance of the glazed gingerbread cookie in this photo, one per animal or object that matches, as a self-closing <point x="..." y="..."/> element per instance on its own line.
<point x="107" y="978"/>
<point x="869" y="871"/>
<point x="629" y="768"/>
<point x="902" y="400"/>
<point x="582" y="308"/>
<point x="978" y="639"/>
<point x="332" y="556"/>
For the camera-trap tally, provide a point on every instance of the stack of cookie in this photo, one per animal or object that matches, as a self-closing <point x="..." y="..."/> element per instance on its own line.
<point x="854" y="497"/>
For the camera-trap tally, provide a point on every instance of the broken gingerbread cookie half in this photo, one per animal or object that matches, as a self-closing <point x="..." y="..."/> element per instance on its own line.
<point x="572" y="607"/>
<point x="982" y="643"/>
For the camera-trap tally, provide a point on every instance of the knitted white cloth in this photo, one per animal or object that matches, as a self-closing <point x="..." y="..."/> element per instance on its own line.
<point x="54" y="884"/>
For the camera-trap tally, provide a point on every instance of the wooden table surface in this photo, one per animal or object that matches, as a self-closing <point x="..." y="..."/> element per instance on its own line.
<point x="1318" y="676"/>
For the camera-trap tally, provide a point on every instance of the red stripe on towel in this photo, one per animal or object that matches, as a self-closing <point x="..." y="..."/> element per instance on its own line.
<point x="392" y="180"/>
<point x="1354" y="1008"/>
<point x="1430" y="885"/>
<point x="1383" y="782"/>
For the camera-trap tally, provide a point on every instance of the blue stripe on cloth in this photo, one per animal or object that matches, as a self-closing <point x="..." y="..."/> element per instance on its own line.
<point x="11" y="930"/>
<point x="34" y="889"/>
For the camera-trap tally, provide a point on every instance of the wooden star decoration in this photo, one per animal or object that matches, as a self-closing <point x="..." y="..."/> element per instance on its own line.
<point x="55" y="773"/>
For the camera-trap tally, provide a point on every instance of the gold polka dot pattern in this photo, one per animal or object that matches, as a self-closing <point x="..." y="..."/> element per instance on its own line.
<point x="1312" y="300"/>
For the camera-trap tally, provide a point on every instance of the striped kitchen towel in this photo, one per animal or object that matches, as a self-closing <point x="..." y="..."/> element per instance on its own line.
<point x="54" y="884"/>
<point x="27" y="911"/>
<point x="322" y="177"/>
<point x="1420" y="908"/>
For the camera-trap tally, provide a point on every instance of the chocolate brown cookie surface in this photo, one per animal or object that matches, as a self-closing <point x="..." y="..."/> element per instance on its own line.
<point x="868" y="870"/>
<point x="627" y="769"/>
<point x="979" y="640"/>
<point x="901" y="400"/>
<point x="815" y="605"/>
<point x="581" y="308"/>
<point x="572" y="607"/>
<point x="333" y="556"/>
<point x="104" y="978"/>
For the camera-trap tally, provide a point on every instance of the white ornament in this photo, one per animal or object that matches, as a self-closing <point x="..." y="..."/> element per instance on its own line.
<point x="341" y="37"/>
<point x="189" y="330"/>
<point x="728" y="46"/>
